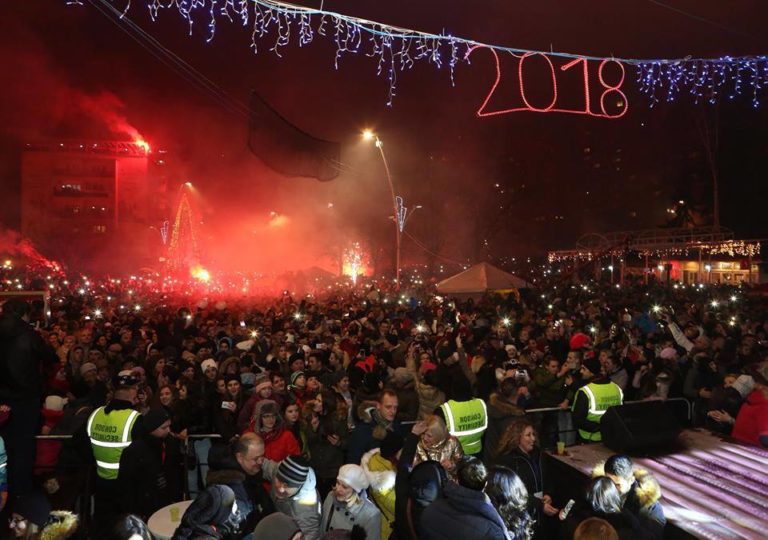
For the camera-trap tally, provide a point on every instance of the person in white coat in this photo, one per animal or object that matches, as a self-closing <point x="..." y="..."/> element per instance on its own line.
<point x="348" y="505"/>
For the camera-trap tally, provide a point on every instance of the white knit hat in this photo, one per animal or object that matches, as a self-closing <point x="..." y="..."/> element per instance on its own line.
<point x="55" y="403"/>
<point x="744" y="385"/>
<point x="210" y="363"/>
<point x="354" y="476"/>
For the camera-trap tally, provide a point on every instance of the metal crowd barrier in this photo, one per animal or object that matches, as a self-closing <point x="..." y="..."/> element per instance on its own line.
<point x="537" y="413"/>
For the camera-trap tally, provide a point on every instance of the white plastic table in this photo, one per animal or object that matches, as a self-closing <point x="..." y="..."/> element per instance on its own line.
<point x="160" y="523"/>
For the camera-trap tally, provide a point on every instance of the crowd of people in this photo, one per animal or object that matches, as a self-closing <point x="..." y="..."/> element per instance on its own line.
<point x="361" y="413"/>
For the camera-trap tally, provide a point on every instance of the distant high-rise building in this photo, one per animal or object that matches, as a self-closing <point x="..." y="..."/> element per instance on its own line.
<point x="95" y="205"/>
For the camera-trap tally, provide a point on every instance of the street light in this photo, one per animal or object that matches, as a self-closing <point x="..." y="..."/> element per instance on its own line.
<point x="369" y="135"/>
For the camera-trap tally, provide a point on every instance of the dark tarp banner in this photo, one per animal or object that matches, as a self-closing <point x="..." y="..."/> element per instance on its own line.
<point x="288" y="150"/>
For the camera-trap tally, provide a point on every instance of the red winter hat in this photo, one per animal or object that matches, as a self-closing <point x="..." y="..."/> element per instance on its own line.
<point x="579" y="341"/>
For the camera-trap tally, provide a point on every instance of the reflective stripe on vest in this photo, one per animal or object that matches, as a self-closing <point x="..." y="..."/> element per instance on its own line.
<point x="467" y="412"/>
<point x="597" y="407"/>
<point x="116" y="427"/>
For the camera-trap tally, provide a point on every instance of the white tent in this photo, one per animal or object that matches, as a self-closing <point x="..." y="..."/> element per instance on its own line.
<point x="479" y="279"/>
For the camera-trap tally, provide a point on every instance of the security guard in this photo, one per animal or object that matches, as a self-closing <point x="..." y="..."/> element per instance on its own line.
<point x="589" y="406"/>
<point x="109" y="431"/>
<point x="467" y="421"/>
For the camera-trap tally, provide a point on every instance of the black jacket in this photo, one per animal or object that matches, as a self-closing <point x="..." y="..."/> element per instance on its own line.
<point x="462" y="513"/>
<point x="142" y="477"/>
<point x="529" y="469"/>
<point x="252" y="500"/>
<point x="23" y="356"/>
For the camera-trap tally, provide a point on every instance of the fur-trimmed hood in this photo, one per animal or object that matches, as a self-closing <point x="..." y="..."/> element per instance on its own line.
<point x="380" y="477"/>
<point x="62" y="525"/>
<point x="500" y="407"/>
<point x="364" y="411"/>
<point x="646" y="488"/>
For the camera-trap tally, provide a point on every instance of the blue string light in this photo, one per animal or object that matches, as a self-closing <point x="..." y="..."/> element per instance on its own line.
<point x="397" y="49"/>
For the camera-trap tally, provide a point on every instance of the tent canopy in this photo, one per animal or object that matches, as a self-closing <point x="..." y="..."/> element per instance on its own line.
<point x="480" y="278"/>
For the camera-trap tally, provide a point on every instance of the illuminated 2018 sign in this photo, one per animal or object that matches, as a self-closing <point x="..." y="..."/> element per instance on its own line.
<point x="608" y="89"/>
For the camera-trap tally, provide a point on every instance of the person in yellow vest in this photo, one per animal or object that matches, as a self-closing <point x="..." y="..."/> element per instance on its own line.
<point x="110" y="430"/>
<point x="467" y="421"/>
<point x="590" y="403"/>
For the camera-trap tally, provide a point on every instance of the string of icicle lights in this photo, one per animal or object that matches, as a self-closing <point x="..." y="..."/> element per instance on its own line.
<point x="396" y="49"/>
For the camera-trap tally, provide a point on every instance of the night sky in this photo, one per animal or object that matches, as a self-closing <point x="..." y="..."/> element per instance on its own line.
<point x="512" y="185"/>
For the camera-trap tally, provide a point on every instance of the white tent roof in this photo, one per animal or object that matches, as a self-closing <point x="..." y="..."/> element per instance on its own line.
<point x="480" y="278"/>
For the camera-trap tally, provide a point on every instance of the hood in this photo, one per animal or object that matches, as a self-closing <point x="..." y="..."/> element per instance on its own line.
<point x="11" y="326"/>
<point x="364" y="411"/>
<point x="426" y="482"/>
<point x="499" y="407"/>
<point x="379" y="471"/>
<point x="646" y="488"/>
<point x="257" y="410"/>
<point x="307" y="495"/>
<point x="63" y="525"/>
<point x="469" y="501"/>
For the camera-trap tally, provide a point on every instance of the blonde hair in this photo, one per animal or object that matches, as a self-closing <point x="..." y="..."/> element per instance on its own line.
<point x="436" y="426"/>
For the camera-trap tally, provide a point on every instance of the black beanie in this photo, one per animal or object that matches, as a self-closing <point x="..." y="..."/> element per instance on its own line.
<point x="33" y="507"/>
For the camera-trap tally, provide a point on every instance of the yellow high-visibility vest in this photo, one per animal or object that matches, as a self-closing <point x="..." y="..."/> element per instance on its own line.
<point x="110" y="434"/>
<point x="600" y="397"/>
<point x="467" y="421"/>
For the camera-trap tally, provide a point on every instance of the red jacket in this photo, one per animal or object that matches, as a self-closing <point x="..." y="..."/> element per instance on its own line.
<point x="752" y="420"/>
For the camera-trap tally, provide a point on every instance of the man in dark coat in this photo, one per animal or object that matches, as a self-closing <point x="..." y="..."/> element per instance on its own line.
<point x="239" y="467"/>
<point x="23" y="357"/>
<point x="142" y="479"/>
<point x="464" y="511"/>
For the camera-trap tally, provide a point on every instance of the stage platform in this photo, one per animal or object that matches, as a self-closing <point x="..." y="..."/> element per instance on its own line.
<point x="712" y="488"/>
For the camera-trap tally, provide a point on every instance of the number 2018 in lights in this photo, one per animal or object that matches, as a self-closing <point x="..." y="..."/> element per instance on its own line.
<point x="608" y="89"/>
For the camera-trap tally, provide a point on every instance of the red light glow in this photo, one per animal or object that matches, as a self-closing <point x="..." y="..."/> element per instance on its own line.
<point x="144" y="145"/>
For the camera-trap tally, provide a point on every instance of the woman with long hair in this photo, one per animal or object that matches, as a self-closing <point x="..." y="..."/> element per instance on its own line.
<point x="32" y="519"/>
<point x="518" y="450"/>
<point x="437" y="444"/>
<point x="324" y="423"/>
<point x="604" y="501"/>
<point x="510" y="499"/>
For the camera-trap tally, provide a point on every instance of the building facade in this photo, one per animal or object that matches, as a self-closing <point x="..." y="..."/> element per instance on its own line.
<point x="99" y="206"/>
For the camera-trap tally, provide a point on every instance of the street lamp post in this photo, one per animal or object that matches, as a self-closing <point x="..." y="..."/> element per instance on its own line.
<point x="369" y="135"/>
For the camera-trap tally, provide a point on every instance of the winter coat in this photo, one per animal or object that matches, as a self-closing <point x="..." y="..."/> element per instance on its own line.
<point x="549" y="389"/>
<point x="367" y="433"/>
<point x="752" y="422"/>
<point x="501" y="413"/>
<point x="224" y="420"/>
<point x="47" y="449"/>
<point x="304" y="507"/>
<point x="627" y="525"/>
<point x="252" y="500"/>
<point x="449" y="449"/>
<point x="381" y="477"/>
<point x="61" y="525"/>
<point x="141" y="479"/>
<point x="3" y="474"/>
<point x="338" y="515"/>
<point x="643" y="500"/>
<point x="462" y="513"/>
<point x="325" y="457"/>
<point x="529" y="469"/>
<point x="430" y="398"/>
<point x="23" y="357"/>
